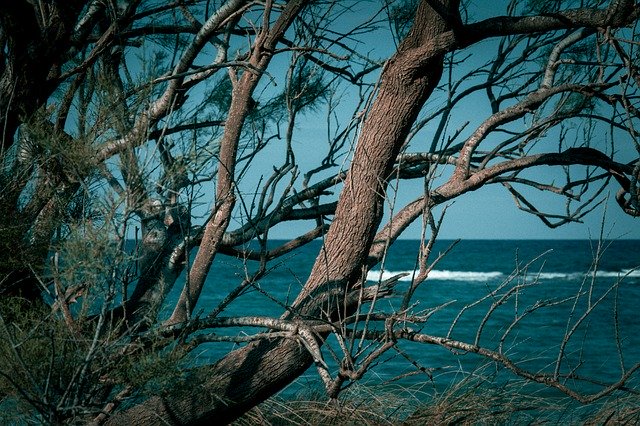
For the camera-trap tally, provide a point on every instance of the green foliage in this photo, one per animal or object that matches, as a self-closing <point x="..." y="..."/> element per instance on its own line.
<point x="152" y="371"/>
<point x="306" y="89"/>
<point x="401" y="15"/>
<point x="11" y="235"/>
<point x="67" y="158"/>
<point x="63" y="361"/>
<point x="575" y="103"/>
<point x="219" y="96"/>
<point x="41" y="358"/>
<point x="52" y="371"/>
<point x="305" y="92"/>
<point x="550" y="6"/>
<point x="92" y="263"/>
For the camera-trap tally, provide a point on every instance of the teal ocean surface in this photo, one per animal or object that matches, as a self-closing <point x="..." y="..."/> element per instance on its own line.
<point x="550" y="305"/>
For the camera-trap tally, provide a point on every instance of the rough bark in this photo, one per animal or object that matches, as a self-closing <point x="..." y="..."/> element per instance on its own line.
<point x="407" y="81"/>
<point x="260" y="58"/>
<point x="251" y="374"/>
<point x="225" y="201"/>
<point x="248" y="376"/>
<point x="225" y="391"/>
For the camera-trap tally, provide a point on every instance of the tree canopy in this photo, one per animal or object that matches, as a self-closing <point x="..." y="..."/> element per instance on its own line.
<point x="143" y="139"/>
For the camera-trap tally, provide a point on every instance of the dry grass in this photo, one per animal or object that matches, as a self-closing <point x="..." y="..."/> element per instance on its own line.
<point x="360" y="405"/>
<point x="619" y="411"/>
<point x="466" y="403"/>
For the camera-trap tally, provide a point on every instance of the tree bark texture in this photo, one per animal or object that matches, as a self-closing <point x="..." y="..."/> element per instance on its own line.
<point x="225" y="188"/>
<point x="408" y="79"/>
<point x="249" y="375"/>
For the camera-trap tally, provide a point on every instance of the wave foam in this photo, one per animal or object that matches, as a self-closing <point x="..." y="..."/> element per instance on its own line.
<point x="445" y="275"/>
<point x="632" y="273"/>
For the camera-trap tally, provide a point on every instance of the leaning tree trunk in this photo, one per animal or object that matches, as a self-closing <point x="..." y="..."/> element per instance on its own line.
<point x="31" y="51"/>
<point x="249" y="375"/>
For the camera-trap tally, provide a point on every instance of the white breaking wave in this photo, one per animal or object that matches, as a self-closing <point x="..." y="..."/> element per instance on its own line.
<point x="557" y="275"/>
<point x="627" y="273"/>
<point x="633" y="273"/>
<point x="445" y="275"/>
<point x="437" y="275"/>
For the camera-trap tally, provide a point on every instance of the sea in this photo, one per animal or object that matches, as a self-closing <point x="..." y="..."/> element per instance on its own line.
<point x="565" y="307"/>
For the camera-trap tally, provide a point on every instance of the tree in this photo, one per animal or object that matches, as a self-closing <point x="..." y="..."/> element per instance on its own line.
<point x="153" y="120"/>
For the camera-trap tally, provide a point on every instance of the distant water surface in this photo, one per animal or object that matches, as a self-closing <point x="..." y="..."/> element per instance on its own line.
<point x="604" y="342"/>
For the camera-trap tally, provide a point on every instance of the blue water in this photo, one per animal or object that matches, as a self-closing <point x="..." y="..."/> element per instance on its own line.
<point x="604" y="344"/>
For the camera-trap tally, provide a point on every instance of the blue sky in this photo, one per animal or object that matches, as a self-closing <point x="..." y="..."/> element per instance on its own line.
<point x="490" y="212"/>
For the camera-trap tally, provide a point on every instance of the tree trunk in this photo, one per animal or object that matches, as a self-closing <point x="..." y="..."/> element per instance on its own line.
<point x="31" y="57"/>
<point x="404" y="88"/>
<point x="225" y="187"/>
<point x="249" y="375"/>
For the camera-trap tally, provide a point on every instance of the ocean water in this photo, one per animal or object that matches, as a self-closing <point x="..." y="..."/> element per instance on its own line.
<point x="550" y="305"/>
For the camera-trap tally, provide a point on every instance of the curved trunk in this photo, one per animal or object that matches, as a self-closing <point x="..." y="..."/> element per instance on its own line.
<point x="225" y="187"/>
<point x="253" y="373"/>
<point x="223" y="392"/>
